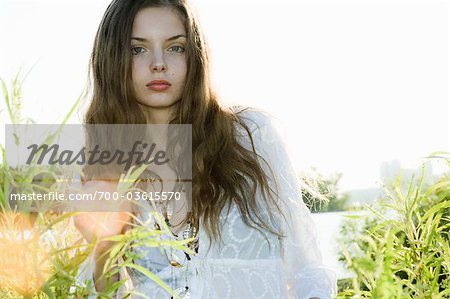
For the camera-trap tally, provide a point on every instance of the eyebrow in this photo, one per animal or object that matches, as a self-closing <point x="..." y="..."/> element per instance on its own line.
<point x="141" y="39"/>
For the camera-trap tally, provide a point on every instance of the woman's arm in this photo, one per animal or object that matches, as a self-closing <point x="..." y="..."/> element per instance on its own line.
<point x="98" y="225"/>
<point x="101" y="256"/>
<point x="304" y="272"/>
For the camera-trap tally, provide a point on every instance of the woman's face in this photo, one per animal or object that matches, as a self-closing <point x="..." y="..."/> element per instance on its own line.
<point x="158" y="43"/>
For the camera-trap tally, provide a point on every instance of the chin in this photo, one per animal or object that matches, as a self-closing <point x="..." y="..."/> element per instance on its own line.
<point x="158" y="103"/>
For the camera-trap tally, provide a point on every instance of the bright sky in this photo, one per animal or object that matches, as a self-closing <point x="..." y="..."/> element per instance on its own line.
<point x="355" y="83"/>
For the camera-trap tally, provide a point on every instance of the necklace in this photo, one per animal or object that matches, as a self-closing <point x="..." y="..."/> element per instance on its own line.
<point x="189" y="232"/>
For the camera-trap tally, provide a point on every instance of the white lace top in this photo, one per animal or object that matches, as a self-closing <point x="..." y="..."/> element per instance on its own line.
<point x="245" y="266"/>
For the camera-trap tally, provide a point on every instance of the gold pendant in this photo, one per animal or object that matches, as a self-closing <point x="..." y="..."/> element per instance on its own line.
<point x="175" y="263"/>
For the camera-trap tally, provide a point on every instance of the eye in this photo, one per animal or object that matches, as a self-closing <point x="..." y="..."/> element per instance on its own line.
<point x="177" y="49"/>
<point x="136" y="50"/>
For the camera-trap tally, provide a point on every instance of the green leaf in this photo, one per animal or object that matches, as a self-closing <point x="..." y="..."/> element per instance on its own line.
<point x="155" y="278"/>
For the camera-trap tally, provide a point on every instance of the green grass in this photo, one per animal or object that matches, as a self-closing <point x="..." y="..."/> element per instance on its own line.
<point x="401" y="250"/>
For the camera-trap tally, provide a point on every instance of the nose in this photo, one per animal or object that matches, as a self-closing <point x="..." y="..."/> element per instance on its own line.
<point x="158" y="67"/>
<point x="158" y="63"/>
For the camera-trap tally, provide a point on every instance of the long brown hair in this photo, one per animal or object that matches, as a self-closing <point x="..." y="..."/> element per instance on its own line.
<point x="223" y="170"/>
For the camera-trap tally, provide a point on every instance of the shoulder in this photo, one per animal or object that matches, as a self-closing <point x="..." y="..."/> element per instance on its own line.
<point x="258" y="121"/>
<point x="268" y="134"/>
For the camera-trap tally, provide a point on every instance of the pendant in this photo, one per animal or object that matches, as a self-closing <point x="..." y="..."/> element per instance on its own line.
<point x="175" y="263"/>
<point x="183" y="293"/>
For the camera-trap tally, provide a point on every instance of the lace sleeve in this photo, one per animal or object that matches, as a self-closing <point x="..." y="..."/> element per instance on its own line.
<point x="305" y="274"/>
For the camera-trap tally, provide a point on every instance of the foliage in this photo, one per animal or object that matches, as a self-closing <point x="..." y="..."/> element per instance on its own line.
<point x="321" y="194"/>
<point x="401" y="248"/>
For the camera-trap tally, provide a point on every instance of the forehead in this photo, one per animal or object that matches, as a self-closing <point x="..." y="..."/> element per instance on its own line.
<point x="157" y="22"/>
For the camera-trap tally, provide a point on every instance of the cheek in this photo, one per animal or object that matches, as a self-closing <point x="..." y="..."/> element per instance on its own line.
<point x="178" y="69"/>
<point x="182" y="71"/>
<point x="134" y="72"/>
<point x="136" y="78"/>
<point x="137" y="69"/>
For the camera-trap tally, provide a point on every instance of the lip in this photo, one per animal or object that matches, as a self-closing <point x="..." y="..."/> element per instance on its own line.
<point x="158" y="85"/>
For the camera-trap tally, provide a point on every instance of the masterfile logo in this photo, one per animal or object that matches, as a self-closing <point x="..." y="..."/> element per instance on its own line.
<point x="51" y="164"/>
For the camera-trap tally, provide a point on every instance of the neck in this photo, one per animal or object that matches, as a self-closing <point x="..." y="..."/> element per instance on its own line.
<point x="157" y="115"/>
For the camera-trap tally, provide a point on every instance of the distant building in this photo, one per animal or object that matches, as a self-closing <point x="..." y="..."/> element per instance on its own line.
<point x="389" y="171"/>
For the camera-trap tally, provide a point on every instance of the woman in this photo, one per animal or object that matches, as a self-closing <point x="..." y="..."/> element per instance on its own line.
<point x="256" y="238"/>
